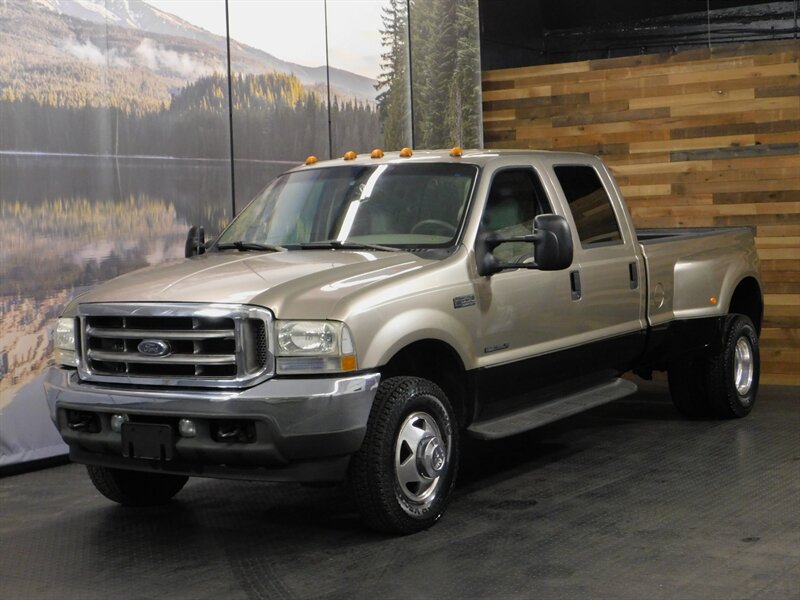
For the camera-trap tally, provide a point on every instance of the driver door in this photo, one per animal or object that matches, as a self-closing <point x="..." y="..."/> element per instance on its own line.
<point x="524" y="313"/>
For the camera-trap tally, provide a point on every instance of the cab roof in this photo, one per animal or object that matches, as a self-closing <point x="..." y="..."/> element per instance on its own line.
<point x="479" y="157"/>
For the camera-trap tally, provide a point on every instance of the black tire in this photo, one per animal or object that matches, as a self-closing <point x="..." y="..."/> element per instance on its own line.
<point x="135" y="488"/>
<point x="707" y="387"/>
<point x="733" y="373"/>
<point x="687" y="387"/>
<point x="404" y="473"/>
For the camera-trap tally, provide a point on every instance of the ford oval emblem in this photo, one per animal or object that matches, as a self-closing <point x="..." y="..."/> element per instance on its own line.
<point x="154" y="347"/>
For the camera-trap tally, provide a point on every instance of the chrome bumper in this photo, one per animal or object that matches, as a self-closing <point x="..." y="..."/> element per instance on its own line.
<point x="295" y="421"/>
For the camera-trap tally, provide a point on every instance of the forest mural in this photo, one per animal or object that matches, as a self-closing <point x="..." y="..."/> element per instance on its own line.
<point x="123" y="122"/>
<point x="430" y="71"/>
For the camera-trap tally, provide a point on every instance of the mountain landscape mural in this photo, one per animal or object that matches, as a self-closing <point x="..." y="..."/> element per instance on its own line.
<point x="131" y="40"/>
<point x="130" y="66"/>
<point x="115" y="136"/>
<point x="122" y="124"/>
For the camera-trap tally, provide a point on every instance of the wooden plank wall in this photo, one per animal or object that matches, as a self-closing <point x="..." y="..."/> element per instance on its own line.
<point x="697" y="138"/>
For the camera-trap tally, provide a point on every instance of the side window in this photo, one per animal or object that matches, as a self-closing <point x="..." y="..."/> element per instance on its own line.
<point x="515" y="198"/>
<point x="590" y="205"/>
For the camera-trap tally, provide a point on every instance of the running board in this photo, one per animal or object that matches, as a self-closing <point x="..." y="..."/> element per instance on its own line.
<point x="553" y="410"/>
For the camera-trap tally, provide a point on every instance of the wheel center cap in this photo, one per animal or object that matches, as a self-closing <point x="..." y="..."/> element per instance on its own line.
<point x="432" y="457"/>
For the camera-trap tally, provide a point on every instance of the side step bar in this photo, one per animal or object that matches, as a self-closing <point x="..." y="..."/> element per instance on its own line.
<point x="553" y="410"/>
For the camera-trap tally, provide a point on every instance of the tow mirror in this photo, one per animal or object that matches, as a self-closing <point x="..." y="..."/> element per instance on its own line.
<point x="554" y="248"/>
<point x="195" y="241"/>
<point x="552" y="243"/>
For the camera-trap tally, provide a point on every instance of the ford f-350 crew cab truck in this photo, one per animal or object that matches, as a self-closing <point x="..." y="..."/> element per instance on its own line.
<point x="360" y="315"/>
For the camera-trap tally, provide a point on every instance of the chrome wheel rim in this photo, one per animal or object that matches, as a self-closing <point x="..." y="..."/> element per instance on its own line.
<point x="744" y="366"/>
<point x="422" y="458"/>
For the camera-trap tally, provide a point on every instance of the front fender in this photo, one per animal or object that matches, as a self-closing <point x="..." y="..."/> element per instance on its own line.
<point x="415" y="325"/>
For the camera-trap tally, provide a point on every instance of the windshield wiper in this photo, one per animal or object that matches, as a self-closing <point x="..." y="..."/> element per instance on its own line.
<point x="243" y="246"/>
<point x="346" y="245"/>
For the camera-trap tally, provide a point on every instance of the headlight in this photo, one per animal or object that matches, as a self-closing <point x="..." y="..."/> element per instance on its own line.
<point x="64" y="342"/>
<point x="314" y="347"/>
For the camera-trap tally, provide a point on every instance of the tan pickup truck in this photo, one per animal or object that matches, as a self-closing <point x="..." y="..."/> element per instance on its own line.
<point x="362" y="314"/>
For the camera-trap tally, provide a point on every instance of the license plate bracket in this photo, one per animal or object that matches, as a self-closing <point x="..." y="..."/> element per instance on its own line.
<point x="149" y="441"/>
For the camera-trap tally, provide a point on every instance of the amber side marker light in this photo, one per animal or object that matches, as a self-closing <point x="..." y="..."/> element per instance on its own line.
<point x="311" y="160"/>
<point x="713" y="299"/>
<point x="456" y="152"/>
<point x="377" y="153"/>
<point x="350" y="155"/>
<point x="349" y="362"/>
<point x="406" y="152"/>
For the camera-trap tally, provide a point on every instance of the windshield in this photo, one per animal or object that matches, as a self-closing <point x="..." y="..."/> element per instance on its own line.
<point x="408" y="205"/>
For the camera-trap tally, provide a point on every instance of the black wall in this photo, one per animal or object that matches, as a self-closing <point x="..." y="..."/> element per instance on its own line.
<point x="518" y="33"/>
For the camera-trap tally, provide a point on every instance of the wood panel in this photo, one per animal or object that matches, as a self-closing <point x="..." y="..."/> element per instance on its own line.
<point x="699" y="138"/>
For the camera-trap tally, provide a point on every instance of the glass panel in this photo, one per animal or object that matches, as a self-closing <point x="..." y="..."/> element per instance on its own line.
<point x="445" y="56"/>
<point x="394" y="81"/>
<point x="515" y="199"/>
<point x="590" y="205"/>
<point x="354" y="55"/>
<point x="111" y="148"/>
<point x="418" y="205"/>
<point x="279" y="81"/>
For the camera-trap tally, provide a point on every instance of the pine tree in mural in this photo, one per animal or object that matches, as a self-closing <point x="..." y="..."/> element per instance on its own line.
<point x="394" y="107"/>
<point x="463" y="117"/>
<point x="446" y="73"/>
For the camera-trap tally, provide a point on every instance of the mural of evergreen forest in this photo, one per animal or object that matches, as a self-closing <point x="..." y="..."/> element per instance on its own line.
<point x="115" y="136"/>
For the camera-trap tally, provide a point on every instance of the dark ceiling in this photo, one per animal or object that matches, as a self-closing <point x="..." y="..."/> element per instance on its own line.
<point x="567" y="14"/>
<point x="528" y="32"/>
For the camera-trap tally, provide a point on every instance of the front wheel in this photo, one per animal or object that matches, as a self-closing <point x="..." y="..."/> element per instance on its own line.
<point x="135" y="488"/>
<point x="406" y="468"/>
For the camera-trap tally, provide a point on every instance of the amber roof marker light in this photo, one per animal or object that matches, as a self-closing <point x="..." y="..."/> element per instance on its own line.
<point x="350" y="155"/>
<point x="456" y="152"/>
<point x="377" y="153"/>
<point x="406" y="152"/>
<point x="312" y="160"/>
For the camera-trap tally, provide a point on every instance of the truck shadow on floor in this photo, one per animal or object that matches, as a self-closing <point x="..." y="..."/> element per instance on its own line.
<point x="264" y="536"/>
<point x="250" y="509"/>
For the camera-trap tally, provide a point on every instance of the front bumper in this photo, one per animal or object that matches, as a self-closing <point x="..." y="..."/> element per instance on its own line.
<point x="298" y="429"/>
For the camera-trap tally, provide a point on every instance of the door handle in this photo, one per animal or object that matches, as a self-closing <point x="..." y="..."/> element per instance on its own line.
<point x="633" y="274"/>
<point x="575" y="284"/>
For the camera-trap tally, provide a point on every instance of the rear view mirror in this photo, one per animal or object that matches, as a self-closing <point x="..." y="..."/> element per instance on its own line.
<point x="195" y="241"/>
<point x="552" y="243"/>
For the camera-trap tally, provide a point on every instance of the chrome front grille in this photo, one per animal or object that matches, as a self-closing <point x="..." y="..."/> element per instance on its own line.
<point x="175" y="344"/>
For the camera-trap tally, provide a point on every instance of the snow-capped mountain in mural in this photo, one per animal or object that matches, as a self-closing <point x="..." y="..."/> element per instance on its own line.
<point x="123" y="13"/>
<point x="159" y="41"/>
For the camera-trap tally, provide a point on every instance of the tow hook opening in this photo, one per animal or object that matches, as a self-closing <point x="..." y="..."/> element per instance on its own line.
<point x="233" y="431"/>
<point x="84" y="422"/>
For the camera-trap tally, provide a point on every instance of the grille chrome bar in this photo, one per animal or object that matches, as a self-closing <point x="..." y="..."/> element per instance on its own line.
<point x="212" y="345"/>
<point x="194" y="334"/>
<point x="176" y="359"/>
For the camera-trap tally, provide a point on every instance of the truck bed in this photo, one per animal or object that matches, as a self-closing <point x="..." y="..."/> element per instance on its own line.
<point x="655" y="236"/>
<point x="689" y="270"/>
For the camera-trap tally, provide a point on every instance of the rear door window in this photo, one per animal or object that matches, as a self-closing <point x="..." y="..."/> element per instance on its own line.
<point x="590" y="205"/>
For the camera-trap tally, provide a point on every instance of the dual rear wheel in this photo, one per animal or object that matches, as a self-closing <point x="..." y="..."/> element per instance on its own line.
<point x="725" y="384"/>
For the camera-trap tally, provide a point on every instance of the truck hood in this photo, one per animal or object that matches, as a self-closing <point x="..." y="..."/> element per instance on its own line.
<point x="275" y="280"/>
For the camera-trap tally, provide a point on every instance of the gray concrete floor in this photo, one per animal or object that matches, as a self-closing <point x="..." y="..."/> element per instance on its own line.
<point x="626" y="501"/>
